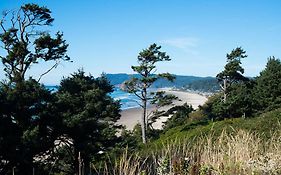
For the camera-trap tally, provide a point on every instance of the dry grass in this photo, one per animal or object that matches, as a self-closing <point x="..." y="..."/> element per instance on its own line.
<point x="241" y="152"/>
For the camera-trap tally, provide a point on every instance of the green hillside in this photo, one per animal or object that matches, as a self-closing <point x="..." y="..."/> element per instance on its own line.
<point x="264" y="124"/>
<point x="231" y="146"/>
<point x="204" y="84"/>
<point x="237" y="131"/>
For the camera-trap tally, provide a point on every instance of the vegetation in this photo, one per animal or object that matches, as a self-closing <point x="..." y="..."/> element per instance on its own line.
<point x="208" y="84"/>
<point x="238" y="136"/>
<point x="267" y="92"/>
<point x="26" y="123"/>
<point x="27" y="117"/>
<point x="232" y="72"/>
<point x="202" y="84"/>
<point x="231" y="146"/>
<point x="41" y="130"/>
<point x="88" y="116"/>
<point x="25" y="43"/>
<point x="147" y="60"/>
<point x="74" y="130"/>
<point x="179" y="116"/>
<point x="241" y="153"/>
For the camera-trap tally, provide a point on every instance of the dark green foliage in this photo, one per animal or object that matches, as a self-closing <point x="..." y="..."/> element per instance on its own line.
<point x="267" y="93"/>
<point x="239" y="103"/>
<point x="28" y="117"/>
<point x="237" y="90"/>
<point x="179" y="116"/>
<point x="233" y="70"/>
<point x="24" y="43"/>
<point x="88" y="116"/>
<point x="26" y="125"/>
<point x="147" y="60"/>
<point x="264" y="124"/>
<point x="208" y="84"/>
<point x="159" y="100"/>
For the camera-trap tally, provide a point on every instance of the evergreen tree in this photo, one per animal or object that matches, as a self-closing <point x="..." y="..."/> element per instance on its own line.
<point x="24" y="42"/>
<point x="233" y="71"/>
<point x="236" y="90"/>
<point x="27" y="121"/>
<point x="179" y="116"/>
<point x="147" y="59"/>
<point x="27" y="114"/>
<point x="88" y="117"/>
<point x="268" y="86"/>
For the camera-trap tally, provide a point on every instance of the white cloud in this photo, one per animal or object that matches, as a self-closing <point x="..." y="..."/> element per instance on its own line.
<point x="187" y="44"/>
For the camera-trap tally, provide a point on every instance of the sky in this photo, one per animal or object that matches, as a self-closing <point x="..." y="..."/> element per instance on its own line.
<point x="107" y="35"/>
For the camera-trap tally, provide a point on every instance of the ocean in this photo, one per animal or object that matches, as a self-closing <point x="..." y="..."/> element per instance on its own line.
<point x="127" y="100"/>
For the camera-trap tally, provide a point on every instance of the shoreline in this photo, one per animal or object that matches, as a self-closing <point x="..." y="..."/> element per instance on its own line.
<point x="130" y="117"/>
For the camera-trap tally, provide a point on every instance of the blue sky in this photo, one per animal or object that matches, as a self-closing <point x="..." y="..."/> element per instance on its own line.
<point x="107" y="35"/>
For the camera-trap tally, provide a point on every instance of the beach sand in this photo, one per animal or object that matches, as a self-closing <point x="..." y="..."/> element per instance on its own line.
<point x="131" y="117"/>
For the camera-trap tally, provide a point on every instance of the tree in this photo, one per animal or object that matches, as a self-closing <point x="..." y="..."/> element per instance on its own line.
<point x="147" y="60"/>
<point x="233" y="71"/>
<point x="236" y="90"/>
<point x="27" y="115"/>
<point x="27" y="121"/>
<point x="25" y="43"/>
<point x="267" y="93"/>
<point x="88" y="116"/>
<point x="179" y="115"/>
<point x="239" y="102"/>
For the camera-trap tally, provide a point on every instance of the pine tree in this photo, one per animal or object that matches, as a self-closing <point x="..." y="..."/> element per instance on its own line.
<point x="27" y="115"/>
<point x="147" y="59"/>
<point x="88" y="116"/>
<point x="233" y="71"/>
<point x="24" y="42"/>
<point x="268" y="86"/>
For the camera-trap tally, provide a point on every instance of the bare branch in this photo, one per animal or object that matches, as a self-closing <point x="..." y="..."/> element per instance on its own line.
<point x="53" y="67"/>
<point x="3" y="19"/>
<point x="2" y="26"/>
<point x="138" y="95"/>
<point x="13" y="21"/>
<point x="139" y="103"/>
<point x="221" y="87"/>
<point x="151" y="112"/>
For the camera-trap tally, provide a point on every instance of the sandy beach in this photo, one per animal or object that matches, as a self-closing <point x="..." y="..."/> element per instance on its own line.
<point x="131" y="117"/>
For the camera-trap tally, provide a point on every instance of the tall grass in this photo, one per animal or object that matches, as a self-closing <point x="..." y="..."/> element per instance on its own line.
<point x="239" y="152"/>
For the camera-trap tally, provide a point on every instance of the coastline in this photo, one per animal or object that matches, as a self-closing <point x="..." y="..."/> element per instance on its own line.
<point x="130" y="117"/>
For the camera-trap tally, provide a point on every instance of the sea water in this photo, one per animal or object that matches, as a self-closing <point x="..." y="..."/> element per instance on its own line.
<point x="126" y="99"/>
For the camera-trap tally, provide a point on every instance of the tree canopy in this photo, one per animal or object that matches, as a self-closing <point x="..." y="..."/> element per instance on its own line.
<point x="27" y="121"/>
<point x="147" y="60"/>
<point x="233" y="71"/>
<point x="27" y="116"/>
<point x="26" y="41"/>
<point x="88" y="116"/>
<point x="268" y="86"/>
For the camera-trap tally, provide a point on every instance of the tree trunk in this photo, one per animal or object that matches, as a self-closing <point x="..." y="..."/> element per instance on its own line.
<point x="143" y="122"/>
<point x="224" y="90"/>
<point x="76" y="163"/>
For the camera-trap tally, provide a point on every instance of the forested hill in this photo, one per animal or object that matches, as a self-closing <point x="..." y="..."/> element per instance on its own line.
<point x="206" y="84"/>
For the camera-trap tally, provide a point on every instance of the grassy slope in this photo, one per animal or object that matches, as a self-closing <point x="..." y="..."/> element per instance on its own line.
<point x="265" y="124"/>
<point x="241" y="152"/>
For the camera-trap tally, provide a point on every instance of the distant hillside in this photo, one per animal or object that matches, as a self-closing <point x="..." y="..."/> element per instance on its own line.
<point x="208" y="84"/>
<point x="205" y="84"/>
